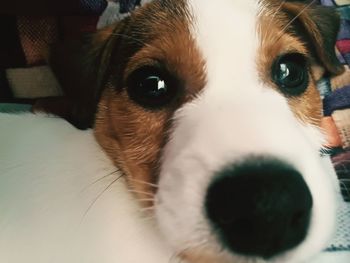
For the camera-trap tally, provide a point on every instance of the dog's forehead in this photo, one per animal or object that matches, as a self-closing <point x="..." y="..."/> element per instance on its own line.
<point x="224" y="48"/>
<point x="223" y="23"/>
<point x="225" y="33"/>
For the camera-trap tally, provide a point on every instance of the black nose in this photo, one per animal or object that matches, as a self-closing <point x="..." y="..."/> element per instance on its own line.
<point x="259" y="207"/>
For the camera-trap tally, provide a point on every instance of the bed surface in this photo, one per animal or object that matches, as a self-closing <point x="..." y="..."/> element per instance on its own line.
<point x="53" y="210"/>
<point x="61" y="199"/>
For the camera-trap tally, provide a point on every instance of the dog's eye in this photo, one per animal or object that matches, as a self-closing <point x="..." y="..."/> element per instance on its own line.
<point x="290" y="73"/>
<point x="151" y="87"/>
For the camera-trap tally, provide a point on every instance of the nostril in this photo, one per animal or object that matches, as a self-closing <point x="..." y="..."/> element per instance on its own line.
<point x="259" y="207"/>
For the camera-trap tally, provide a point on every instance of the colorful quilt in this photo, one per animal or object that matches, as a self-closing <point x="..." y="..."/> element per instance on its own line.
<point x="336" y="99"/>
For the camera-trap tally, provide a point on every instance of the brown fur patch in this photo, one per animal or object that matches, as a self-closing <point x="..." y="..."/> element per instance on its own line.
<point x="159" y="33"/>
<point x="202" y="255"/>
<point x="280" y="36"/>
<point x="319" y="26"/>
<point x="131" y="135"/>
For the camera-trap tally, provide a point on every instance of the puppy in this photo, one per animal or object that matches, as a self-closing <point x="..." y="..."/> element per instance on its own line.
<point x="211" y="111"/>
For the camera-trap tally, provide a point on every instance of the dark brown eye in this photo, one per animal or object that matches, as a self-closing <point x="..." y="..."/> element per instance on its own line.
<point x="152" y="87"/>
<point x="290" y="73"/>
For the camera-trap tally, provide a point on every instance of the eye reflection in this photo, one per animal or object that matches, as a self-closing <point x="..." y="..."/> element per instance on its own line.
<point x="290" y="73"/>
<point x="151" y="87"/>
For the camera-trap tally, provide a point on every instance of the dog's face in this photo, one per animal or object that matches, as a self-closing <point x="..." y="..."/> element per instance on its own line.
<point x="216" y="103"/>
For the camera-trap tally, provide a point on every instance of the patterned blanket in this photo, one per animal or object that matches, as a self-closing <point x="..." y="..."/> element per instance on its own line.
<point x="336" y="99"/>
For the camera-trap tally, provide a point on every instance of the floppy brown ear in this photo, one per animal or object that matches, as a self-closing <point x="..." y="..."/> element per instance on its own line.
<point x="81" y="67"/>
<point x="320" y="25"/>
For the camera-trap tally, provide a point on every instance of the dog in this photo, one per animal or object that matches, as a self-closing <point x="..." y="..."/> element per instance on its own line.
<point x="211" y="111"/>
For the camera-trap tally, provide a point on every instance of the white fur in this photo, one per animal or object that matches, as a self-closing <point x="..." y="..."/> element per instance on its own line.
<point x="48" y="181"/>
<point x="235" y="116"/>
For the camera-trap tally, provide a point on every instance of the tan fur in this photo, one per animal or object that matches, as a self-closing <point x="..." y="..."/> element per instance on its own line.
<point x="276" y="40"/>
<point x="321" y="24"/>
<point x="131" y="135"/>
<point x="201" y="255"/>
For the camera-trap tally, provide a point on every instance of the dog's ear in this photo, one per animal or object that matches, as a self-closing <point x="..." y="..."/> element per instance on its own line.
<point x="320" y="26"/>
<point x="81" y="67"/>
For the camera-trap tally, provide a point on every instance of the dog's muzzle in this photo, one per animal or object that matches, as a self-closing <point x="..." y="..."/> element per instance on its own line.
<point x="259" y="207"/>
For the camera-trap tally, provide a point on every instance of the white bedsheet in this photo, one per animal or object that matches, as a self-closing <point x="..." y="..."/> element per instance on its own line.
<point x="51" y="206"/>
<point x="50" y="177"/>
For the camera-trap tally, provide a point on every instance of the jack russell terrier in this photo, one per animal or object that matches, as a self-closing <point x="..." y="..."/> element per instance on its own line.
<point x="211" y="111"/>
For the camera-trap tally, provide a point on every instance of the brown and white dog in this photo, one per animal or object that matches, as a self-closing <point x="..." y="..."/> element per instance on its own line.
<point x="210" y="109"/>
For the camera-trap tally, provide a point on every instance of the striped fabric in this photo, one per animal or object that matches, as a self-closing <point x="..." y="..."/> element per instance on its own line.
<point x="336" y="103"/>
<point x="336" y="100"/>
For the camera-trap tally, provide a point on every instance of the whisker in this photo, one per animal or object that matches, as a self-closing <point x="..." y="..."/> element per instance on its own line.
<point x="100" y="179"/>
<point x="143" y="182"/>
<point x="146" y="209"/>
<point x="12" y="167"/>
<point x="99" y="195"/>
<point x="150" y="207"/>
<point x="175" y="258"/>
<point x="297" y="16"/>
<point x="344" y="180"/>
<point x="141" y="192"/>
<point x="345" y="193"/>
<point x="278" y="9"/>
<point x="129" y="37"/>
<point x="176" y="255"/>
<point x="148" y="218"/>
<point x="146" y="200"/>
<point x="272" y="19"/>
<point x="344" y="188"/>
